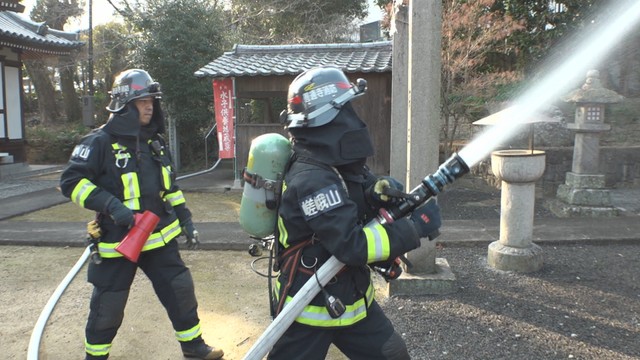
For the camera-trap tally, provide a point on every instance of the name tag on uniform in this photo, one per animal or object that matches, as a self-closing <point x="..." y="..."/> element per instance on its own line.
<point x="321" y="201"/>
<point x="81" y="152"/>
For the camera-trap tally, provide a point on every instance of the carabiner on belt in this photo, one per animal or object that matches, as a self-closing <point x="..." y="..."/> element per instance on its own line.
<point x="122" y="159"/>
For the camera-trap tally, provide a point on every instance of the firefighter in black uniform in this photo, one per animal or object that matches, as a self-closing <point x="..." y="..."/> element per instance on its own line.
<point x="327" y="199"/>
<point x="124" y="168"/>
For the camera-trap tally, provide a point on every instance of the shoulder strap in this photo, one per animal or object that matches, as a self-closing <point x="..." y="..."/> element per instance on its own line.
<point x="312" y="161"/>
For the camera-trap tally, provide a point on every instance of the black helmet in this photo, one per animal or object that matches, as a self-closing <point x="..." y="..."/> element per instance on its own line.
<point x="130" y="85"/>
<point x="317" y="95"/>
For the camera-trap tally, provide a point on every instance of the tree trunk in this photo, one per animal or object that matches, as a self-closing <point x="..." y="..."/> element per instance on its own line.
<point x="69" y="96"/>
<point x="45" y="92"/>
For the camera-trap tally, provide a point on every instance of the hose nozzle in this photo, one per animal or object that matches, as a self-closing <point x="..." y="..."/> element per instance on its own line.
<point x="446" y="174"/>
<point x="430" y="186"/>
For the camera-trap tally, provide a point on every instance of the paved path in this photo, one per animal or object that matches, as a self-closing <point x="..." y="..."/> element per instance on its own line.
<point x="230" y="236"/>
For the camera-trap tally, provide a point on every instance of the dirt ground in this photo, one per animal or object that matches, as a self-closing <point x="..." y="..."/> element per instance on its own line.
<point x="232" y="306"/>
<point x="583" y="304"/>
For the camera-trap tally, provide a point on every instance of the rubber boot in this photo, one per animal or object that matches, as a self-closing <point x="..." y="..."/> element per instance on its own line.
<point x="198" y="349"/>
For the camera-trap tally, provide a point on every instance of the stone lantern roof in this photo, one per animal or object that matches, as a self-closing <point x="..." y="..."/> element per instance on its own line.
<point x="593" y="92"/>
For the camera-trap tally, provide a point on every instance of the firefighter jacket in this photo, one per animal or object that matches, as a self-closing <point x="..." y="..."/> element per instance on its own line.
<point x="323" y="212"/>
<point x="133" y="165"/>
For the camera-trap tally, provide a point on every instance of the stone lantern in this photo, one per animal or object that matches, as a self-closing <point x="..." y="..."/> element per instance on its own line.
<point x="584" y="193"/>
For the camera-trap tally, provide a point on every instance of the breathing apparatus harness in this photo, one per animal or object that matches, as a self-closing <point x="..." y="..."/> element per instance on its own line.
<point x="292" y="259"/>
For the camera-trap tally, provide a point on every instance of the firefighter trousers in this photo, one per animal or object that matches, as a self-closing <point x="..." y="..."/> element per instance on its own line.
<point x="112" y="279"/>
<point x="372" y="338"/>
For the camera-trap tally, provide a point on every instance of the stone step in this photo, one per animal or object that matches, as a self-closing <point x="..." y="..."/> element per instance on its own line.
<point x="21" y="170"/>
<point x="5" y="158"/>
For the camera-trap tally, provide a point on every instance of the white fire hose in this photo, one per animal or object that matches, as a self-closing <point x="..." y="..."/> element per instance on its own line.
<point x="36" y="335"/>
<point x="291" y="310"/>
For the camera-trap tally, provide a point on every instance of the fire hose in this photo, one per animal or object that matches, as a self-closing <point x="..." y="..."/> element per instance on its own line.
<point x="429" y="187"/>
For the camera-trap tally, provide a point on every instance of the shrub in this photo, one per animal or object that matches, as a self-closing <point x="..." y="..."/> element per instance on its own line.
<point x="52" y="144"/>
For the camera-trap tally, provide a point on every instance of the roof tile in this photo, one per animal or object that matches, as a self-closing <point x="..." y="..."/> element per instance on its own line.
<point x="21" y="32"/>
<point x="265" y="60"/>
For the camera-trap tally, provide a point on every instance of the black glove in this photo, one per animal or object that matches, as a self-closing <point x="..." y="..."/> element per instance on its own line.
<point x="192" y="235"/>
<point x="390" y="270"/>
<point x="426" y="219"/>
<point x="120" y="214"/>
<point x="379" y="193"/>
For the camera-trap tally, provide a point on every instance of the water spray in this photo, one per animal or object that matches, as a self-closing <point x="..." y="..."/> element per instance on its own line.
<point x="589" y="51"/>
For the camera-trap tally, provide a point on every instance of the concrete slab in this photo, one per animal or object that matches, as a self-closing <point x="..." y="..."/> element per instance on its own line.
<point x="443" y="281"/>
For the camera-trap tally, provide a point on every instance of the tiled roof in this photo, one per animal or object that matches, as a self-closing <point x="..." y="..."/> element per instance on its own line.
<point x="35" y="38"/>
<point x="265" y="60"/>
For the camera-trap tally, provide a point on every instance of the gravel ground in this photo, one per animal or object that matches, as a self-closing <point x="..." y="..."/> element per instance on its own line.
<point x="472" y="198"/>
<point x="583" y="304"/>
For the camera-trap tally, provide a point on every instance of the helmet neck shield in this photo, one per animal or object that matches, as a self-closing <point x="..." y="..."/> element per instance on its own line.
<point x="342" y="141"/>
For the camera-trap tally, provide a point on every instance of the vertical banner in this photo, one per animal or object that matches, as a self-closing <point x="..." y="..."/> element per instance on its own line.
<point x="223" y="108"/>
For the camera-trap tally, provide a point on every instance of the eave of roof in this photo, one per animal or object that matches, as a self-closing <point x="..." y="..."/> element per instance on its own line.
<point x="267" y="60"/>
<point x="35" y="38"/>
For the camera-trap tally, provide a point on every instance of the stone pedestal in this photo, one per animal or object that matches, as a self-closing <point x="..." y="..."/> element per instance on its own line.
<point x="518" y="170"/>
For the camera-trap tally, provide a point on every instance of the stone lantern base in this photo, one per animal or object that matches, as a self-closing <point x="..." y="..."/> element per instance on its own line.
<point x="583" y="195"/>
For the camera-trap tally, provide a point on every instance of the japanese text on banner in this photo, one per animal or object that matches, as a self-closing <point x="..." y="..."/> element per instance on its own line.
<point x="224" y="113"/>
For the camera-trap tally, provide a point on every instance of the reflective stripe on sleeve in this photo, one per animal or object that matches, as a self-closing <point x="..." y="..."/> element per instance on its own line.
<point x="81" y="191"/>
<point x="378" y="247"/>
<point x="175" y="198"/>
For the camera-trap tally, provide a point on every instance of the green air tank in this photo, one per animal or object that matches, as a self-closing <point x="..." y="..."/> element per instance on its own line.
<point x="268" y="156"/>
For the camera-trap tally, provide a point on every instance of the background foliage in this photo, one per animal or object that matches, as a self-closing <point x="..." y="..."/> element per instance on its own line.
<point x="490" y="50"/>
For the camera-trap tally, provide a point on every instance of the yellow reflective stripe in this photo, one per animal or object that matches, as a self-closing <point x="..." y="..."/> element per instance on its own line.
<point x="319" y="316"/>
<point x="131" y="186"/>
<point x="378" y="247"/>
<point x="166" y="177"/>
<point x="122" y="155"/>
<point x="189" y="334"/>
<point x="156" y="240"/>
<point x="175" y="198"/>
<point x="81" y="191"/>
<point x="117" y="146"/>
<point x="96" y="349"/>
<point x="133" y="204"/>
<point x="283" y="234"/>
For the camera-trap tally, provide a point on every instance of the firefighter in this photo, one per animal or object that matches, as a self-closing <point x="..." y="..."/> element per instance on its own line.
<point x="120" y="169"/>
<point x="328" y="197"/>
